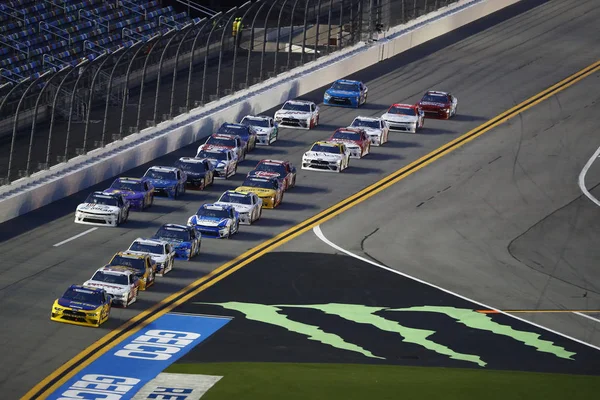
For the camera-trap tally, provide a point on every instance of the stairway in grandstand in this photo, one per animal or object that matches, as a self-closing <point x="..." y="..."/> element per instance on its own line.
<point x="36" y="36"/>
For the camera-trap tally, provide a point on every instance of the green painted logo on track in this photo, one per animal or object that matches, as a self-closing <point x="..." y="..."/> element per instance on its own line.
<point x="273" y="315"/>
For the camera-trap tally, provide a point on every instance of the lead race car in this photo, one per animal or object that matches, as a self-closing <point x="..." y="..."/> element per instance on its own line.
<point x="298" y="114"/>
<point x="326" y="156"/>
<point x="104" y="209"/>
<point x="81" y="305"/>
<point x="346" y="93"/>
<point x="267" y="130"/>
<point x="356" y="140"/>
<point x="120" y="282"/>
<point x="404" y="117"/>
<point x="138" y="191"/>
<point x="248" y="205"/>
<point x="212" y="220"/>
<point x="438" y="104"/>
<point x="376" y="128"/>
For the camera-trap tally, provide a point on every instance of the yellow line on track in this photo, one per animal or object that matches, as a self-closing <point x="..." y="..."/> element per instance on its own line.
<point x="91" y="353"/>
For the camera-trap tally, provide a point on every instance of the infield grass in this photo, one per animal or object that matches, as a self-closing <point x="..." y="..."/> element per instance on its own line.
<point x="260" y="381"/>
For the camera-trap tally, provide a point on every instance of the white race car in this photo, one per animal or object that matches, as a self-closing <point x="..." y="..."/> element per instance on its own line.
<point x="404" y="117"/>
<point x="120" y="282"/>
<point x="161" y="252"/>
<point x="298" y="114"/>
<point x="326" y="156"/>
<point x="377" y="129"/>
<point x="267" y="130"/>
<point x="223" y="160"/>
<point x="105" y="209"/>
<point x="248" y="205"/>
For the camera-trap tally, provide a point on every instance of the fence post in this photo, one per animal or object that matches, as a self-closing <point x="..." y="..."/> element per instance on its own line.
<point x="187" y="97"/>
<point x="289" y="59"/>
<point x="35" y="113"/>
<point x="304" y="32"/>
<point x="251" y="46"/>
<point x="264" y="48"/>
<point x="233" y="14"/>
<point x="238" y="42"/>
<point x="317" y="28"/>
<point x="206" y="49"/>
<point x="329" y="25"/>
<point x="341" y="27"/>
<point x="279" y="34"/>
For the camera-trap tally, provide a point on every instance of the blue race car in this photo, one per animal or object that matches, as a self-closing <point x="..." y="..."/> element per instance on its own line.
<point x="185" y="240"/>
<point x="346" y="93"/>
<point x="167" y="181"/>
<point x="219" y="221"/>
<point x="246" y="132"/>
<point x="138" y="191"/>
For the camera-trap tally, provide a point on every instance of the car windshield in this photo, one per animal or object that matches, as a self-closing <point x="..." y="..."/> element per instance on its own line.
<point x="402" y="111"/>
<point x="101" y="199"/>
<point x="134" y="186"/>
<point x="366" y="123"/>
<point x="214" y="141"/>
<point x="180" y="235"/>
<point x="161" y="175"/>
<point x="237" y="198"/>
<point x="117" y="279"/>
<point x="431" y="98"/>
<point x="212" y="155"/>
<point x="325" y="148"/>
<point x="210" y="213"/>
<point x="241" y="131"/>
<point x="147" y="248"/>
<point x="260" y="183"/>
<point x="191" y="166"/>
<point x="83" y="296"/>
<point x="271" y="167"/>
<point x="346" y="135"/>
<point x="132" y="262"/>
<point x="349" y="87"/>
<point x="304" y="107"/>
<point x="260" y="122"/>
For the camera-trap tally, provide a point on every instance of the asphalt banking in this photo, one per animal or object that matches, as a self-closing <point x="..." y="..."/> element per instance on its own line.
<point x="325" y="308"/>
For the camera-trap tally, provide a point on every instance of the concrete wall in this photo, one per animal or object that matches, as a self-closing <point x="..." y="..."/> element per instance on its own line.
<point x="82" y="172"/>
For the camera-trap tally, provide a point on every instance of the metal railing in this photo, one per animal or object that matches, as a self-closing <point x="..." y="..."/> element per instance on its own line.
<point x="108" y="96"/>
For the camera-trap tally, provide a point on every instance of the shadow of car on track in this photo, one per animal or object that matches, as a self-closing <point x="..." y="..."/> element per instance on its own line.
<point x="382" y="156"/>
<point x="282" y="142"/>
<point x="206" y="256"/>
<point x="293" y="206"/>
<point x="251" y="235"/>
<point x="160" y="208"/>
<point x="374" y="106"/>
<point x="263" y="152"/>
<point x="304" y="189"/>
<point x="272" y="222"/>
<point x="468" y="118"/>
<point x="401" y="144"/>
<point x="353" y="169"/>
<point x="436" y="131"/>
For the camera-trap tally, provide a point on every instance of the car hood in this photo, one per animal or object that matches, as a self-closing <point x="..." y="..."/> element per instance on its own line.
<point x="400" y="118"/>
<point x="296" y="114"/>
<point x="209" y="221"/>
<point x="342" y="93"/>
<point x="128" y="194"/>
<point x="322" y="156"/>
<point x="370" y="131"/>
<point x="241" y="208"/>
<point x="93" y="207"/>
<point x="347" y="142"/>
<point x="264" y="174"/>
<point x="161" y="183"/>
<point x="429" y="104"/>
<point x="77" y="305"/>
<point x="259" y="191"/>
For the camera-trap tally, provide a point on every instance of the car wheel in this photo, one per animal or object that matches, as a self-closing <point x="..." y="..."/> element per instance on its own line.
<point x="176" y="194"/>
<point x="151" y="201"/>
<point x="126" y="216"/>
<point x="126" y="303"/>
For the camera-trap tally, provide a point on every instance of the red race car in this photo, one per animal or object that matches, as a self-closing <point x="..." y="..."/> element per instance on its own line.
<point x="438" y="104"/>
<point x="356" y="140"/>
<point x="284" y="171"/>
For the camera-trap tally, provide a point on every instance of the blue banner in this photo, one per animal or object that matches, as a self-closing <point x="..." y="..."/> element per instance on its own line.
<point x="126" y="368"/>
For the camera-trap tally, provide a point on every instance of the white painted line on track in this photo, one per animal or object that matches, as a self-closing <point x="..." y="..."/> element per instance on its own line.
<point x="319" y="233"/>
<point x="75" y="237"/>
<point x="582" y="178"/>
<point x="586" y="316"/>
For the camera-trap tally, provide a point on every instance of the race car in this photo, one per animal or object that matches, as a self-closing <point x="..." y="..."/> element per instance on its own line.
<point x="231" y="142"/>
<point x="346" y="93"/>
<point x="284" y="171"/>
<point x="245" y="132"/>
<point x="119" y="282"/>
<point x="224" y="161"/>
<point x="142" y="266"/>
<point x="268" y="189"/>
<point x="161" y="252"/>
<point x="200" y="172"/>
<point x="167" y="181"/>
<point x="376" y="128"/>
<point x="404" y="117"/>
<point x="437" y="104"/>
<point x="218" y="221"/>
<point x="81" y="305"/>
<point x="248" y="205"/>
<point x="185" y="241"/>
<point x="267" y="130"/>
<point x="138" y="191"/>
<point x="326" y="156"/>
<point x="298" y="114"/>
<point x="104" y="209"/>
<point x="356" y="140"/>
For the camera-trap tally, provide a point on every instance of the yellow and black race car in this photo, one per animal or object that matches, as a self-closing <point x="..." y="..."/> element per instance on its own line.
<point x="268" y="189"/>
<point x="81" y="305"/>
<point x="143" y="266"/>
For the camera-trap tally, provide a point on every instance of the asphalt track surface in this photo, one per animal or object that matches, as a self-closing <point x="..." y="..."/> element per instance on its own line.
<point x="490" y="65"/>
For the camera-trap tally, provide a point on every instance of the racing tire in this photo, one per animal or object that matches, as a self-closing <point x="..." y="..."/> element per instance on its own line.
<point x="293" y="182"/>
<point x="151" y="201"/>
<point x="126" y="216"/>
<point x="176" y="194"/>
<point x="126" y="303"/>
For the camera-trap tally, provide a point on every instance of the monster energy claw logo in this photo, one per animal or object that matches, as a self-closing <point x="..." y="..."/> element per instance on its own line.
<point x="271" y="314"/>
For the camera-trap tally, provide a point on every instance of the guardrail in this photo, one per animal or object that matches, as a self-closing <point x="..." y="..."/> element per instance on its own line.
<point x="161" y="138"/>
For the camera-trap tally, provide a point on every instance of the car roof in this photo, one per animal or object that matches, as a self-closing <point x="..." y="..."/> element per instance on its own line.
<point x="234" y="125"/>
<point x="176" y="227"/>
<point x="261" y="179"/>
<point x="368" y="118"/>
<point x="403" y="105"/>
<point x="215" y="149"/>
<point x="353" y="130"/>
<point x="212" y="206"/>
<point x="234" y="192"/>
<point x="149" y="241"/>
<point x="116" y="270"/>
<point x="83" y="287"/>
<point x="163" y="168"/>
<point x="129" y="255"/>
<point x="266" y="160"/>
<point x="258" y="116"/>
<point x="436" y="92"/>
<point x="224" y="136"/>
<point x="327" y="143"/>
<point x="106" y="195"/>
<point x="300" y="102"/>
<point x="347" y="81"/>
<point x="126" y="178"/>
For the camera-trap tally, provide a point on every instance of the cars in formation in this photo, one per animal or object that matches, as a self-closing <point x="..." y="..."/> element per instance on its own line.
<point x="128" y="272"/>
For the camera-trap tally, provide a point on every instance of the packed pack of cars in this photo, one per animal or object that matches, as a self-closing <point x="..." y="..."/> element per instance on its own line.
<point x="136" y="268"/>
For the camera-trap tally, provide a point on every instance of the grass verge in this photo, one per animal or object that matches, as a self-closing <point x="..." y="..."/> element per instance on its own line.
<point x="254" y="381"/>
